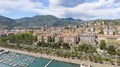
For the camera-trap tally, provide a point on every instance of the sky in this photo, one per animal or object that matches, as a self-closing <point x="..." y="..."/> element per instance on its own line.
<point x="79" y="9"/>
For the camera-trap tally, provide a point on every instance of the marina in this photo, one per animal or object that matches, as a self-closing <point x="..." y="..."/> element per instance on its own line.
<point x="11" y="59"/>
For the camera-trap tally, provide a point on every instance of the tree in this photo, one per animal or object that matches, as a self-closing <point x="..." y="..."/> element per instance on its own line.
<point x="114" y="33"/>
<point x="102" y="45"/>
<point x="65" y="46"/>
<point x="111" y="50"/>
<point x="101" y="32"/>
<point x="118" y="52"/>
<point x="55" y="45"/>
<point x="42" y="44"/>
<point x="22" y="38"/>
<point x="82" y="47"/>
<point x="86" y="48"/>
<point x="118" y="62"/>
<point x="51" y="40"/>
<point x="91" y="49"/>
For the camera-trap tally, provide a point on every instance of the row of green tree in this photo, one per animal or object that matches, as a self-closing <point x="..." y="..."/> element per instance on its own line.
<point x="57" y="45"/>
<point x="87" y="48"/>
<point x="22" y="38"/>
<point x="60" y="45"/>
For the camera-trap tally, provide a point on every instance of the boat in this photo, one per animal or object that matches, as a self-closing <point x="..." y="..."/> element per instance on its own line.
<point x="82" y="65"/>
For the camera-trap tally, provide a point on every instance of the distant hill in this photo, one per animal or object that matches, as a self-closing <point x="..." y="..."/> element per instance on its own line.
<point x="72" y="19"/>
<point x="69" y="18"/>
<point x="6" y="22"/>
<point x="35" y="21"/>
<point x="41" y="20"/>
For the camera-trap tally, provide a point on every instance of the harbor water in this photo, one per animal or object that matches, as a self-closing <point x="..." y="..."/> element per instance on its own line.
<point x="11" y="59"/>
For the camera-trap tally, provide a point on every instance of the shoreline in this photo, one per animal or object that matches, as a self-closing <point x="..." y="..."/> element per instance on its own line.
<point x="73" y="61"/>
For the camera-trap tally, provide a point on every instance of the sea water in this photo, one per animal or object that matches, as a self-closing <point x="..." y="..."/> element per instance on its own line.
<point x="19" y="60"/>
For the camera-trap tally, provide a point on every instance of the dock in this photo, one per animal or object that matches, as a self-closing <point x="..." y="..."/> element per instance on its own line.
<point x="48" y="63"/>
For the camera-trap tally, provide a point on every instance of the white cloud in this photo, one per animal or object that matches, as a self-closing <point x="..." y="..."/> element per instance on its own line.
<point x="101" y="9"/>
<point x="19" y="5"/>
<point x="29" y="6"/>
<point x="87" y="10"/>
<point x="54" y="2"/>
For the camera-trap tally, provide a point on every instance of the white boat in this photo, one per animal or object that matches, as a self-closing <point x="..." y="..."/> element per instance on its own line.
<point x="82" y="65"/>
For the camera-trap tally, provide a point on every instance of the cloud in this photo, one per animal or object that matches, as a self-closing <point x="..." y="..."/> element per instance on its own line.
<point x="102" y="9"/>
<point x="71" y="3"/>
<point x="74" y="3"/>
<point x="83" y="9"/>
<point x="8" y="5"/>
<point x="53" y="3"/>
<point x="38" y="7"/>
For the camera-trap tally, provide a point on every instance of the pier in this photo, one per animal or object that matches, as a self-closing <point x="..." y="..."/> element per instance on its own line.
<point x="48" y="63"/>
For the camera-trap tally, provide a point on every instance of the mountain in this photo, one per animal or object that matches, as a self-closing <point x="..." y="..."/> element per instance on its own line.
<point x="41" y="20"/>
<point x="6" y="22"/>
<point x="35" y="21"/>
<point x="71" y="19"/>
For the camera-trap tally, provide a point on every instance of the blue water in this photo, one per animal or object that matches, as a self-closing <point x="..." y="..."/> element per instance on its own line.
<point x="19" y="60"/>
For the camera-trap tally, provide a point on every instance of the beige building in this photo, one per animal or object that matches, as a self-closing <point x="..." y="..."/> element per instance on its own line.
<point x="69" y="39"/>
<point x="88" y="39"/>
<point x="110" y="39"/>
<point x="44" y="37"/>
<point x="58" y="38"/>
